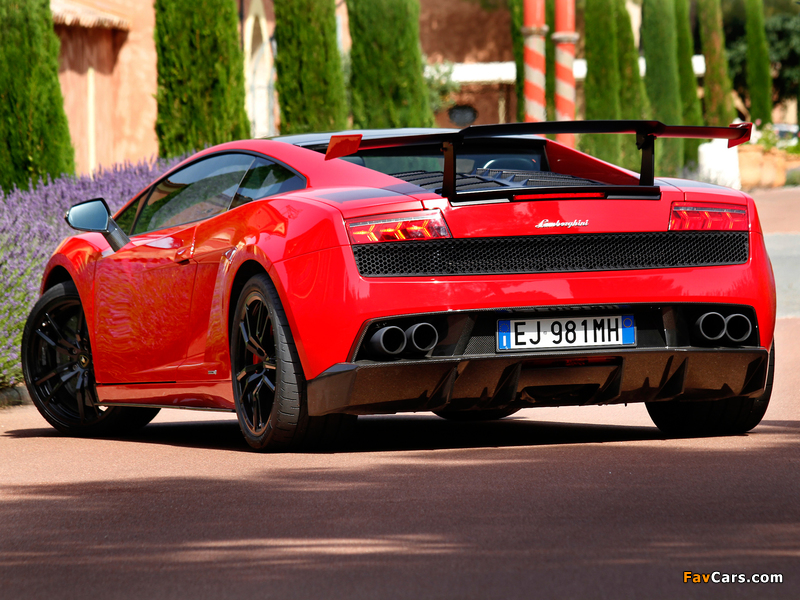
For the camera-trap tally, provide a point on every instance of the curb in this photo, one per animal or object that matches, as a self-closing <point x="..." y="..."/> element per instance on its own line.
<point x="14" y="396"/>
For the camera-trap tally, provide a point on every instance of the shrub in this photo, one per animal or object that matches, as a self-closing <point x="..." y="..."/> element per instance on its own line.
<point x="662" y="80"/>
<point x="34" y="134"/>
<point x="602" y="85"/>
<point x="759" y="79"/>
<point x="386" y="78"/>
<point x="633" y="98"/>
<point x="691" y="111"/>
<point x="200" y="75"/>
<point x="310" y="80"/>
<point x="717" y="88"/>
<point x="32" y="225"/>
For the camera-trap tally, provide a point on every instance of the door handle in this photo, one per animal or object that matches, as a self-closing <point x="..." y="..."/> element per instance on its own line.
<point x="182" y="255"/>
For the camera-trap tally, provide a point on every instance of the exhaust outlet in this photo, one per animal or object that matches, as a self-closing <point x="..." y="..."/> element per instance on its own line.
<point x="422" y="337"/>
<point x="710" y="326"/>
<point x="389" y="341"/>
<point x="738" y="328"/>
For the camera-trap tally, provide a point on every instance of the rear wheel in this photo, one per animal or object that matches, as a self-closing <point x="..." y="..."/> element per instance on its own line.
<point x="715" y="417"/>
<point x="59" y="373"/>
<point x="268" y="383"/>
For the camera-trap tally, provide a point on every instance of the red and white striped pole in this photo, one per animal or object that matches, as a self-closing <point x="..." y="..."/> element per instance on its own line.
<point x="534" y="30"/>
<point x="565" y="39"/>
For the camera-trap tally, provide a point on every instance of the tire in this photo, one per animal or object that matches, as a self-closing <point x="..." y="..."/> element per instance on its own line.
<point x="715" y="417"/>
<point x="59" y="374"/>
<point x="492" y="414"/>
<point x="269" y="387"/>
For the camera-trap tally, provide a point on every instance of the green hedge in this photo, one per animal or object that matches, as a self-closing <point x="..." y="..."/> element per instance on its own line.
<point x="200" y="75"/>
<point x="386" y="81"/>
<point x="34" y="134"/>
<point x="717" y="88"/>
<point x="759" y="78"/>
<point x="633" y="98"/>
<point x="602" y="85"/>
<point x="690" y="104"/>
<point x="310" y="82"/>
<point x="662" y="80"/>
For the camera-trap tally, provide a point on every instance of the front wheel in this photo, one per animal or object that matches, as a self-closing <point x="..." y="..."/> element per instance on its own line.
<point x="59" y="373"/>
<point x="714" y="417"/>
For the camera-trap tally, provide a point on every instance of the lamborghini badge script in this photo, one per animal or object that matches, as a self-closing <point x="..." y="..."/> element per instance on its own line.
<point x="558" y="223"/>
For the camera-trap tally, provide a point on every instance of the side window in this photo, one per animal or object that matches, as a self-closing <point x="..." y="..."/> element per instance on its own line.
<point x="199" y="191"/>
<point x="125" y="219"/>
<point x="267" y="178"/>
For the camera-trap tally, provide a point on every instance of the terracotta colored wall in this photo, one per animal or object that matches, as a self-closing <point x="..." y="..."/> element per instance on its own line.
<point x="461" y="31"/>
<point x="125" y="85"/>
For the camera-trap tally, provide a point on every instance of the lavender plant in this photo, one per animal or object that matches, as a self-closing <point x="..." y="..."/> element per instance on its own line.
<point x="31" y="227"/>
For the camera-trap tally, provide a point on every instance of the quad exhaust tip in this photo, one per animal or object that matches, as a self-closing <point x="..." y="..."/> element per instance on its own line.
<point x="388" y="341"/>
<point x="422" y="337"/>
<point x="712" y="327"/>
<point x="738" y="328"/>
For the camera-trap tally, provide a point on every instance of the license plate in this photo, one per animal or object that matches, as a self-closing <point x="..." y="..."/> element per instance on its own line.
<point x="577" y="332"/>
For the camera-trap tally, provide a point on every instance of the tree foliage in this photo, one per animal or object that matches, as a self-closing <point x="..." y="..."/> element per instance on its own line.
<point x="518" y="43"/>
<point x="783" y="37"/>
<point x="717" y="89"/>
<point x="34" y="133"/>
<point x="310" y="83"/>
<point x="633" y="97"/>
<point x="602" y="84"/>
<point x="200" y="75"/>
<point x="662" y="80"/>
<point x="759" y="79"/>
<point x="691" y="111"/>
<point x="386" y="82"/>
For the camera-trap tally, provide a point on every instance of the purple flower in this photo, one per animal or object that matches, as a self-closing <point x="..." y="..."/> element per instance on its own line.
<point x="32" y="225"/>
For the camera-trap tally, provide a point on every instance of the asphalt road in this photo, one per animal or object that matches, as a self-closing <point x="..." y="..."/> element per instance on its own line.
<point x="555" y="503"/>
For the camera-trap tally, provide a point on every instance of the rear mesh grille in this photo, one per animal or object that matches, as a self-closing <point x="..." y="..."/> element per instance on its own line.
<point x="553" y="253"/>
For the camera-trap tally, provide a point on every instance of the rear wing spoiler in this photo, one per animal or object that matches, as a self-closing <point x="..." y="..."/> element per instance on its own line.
<point x="646" y="133"/>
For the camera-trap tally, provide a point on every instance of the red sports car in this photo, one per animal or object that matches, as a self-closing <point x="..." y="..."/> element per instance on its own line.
<point x="304" y="280"/>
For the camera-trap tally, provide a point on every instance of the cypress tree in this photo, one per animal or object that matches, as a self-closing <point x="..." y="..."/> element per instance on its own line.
<point x="34" y="133"/>
<point x="759" y="78"/>
<point x="386" y="81"/>
<point x="717" y="88"/>
<point x="633" y="98"/>
<point x="661" y="80"/>
<point x="690" y="104"/>
<point x="518" y="44"/>
<point x="310" y="81"/>
<point x="602" y="85"/>
<point x="200" y="92"/>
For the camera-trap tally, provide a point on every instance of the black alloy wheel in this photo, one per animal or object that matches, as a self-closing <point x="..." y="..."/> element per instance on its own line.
<point x="59" y="373"/>
<point x="269" y="387"/>
<point x="256" y="363"/>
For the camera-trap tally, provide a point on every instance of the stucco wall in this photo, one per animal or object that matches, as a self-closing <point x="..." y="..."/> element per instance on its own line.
<point x="124" y="65"/>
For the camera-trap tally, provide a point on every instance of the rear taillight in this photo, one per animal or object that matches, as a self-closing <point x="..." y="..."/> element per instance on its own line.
<point x="709" y="217"/>
<point x="425" y="225"/>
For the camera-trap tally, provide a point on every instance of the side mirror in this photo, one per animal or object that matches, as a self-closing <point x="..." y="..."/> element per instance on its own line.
<point x="94" y="215"/>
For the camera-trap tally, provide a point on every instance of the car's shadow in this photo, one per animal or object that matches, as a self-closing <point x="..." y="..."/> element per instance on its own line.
<point x="405" y="433"/>
<point x="396" y="433"/>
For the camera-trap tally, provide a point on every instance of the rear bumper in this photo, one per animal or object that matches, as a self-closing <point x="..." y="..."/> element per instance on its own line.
<point x="544" y="379"/>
